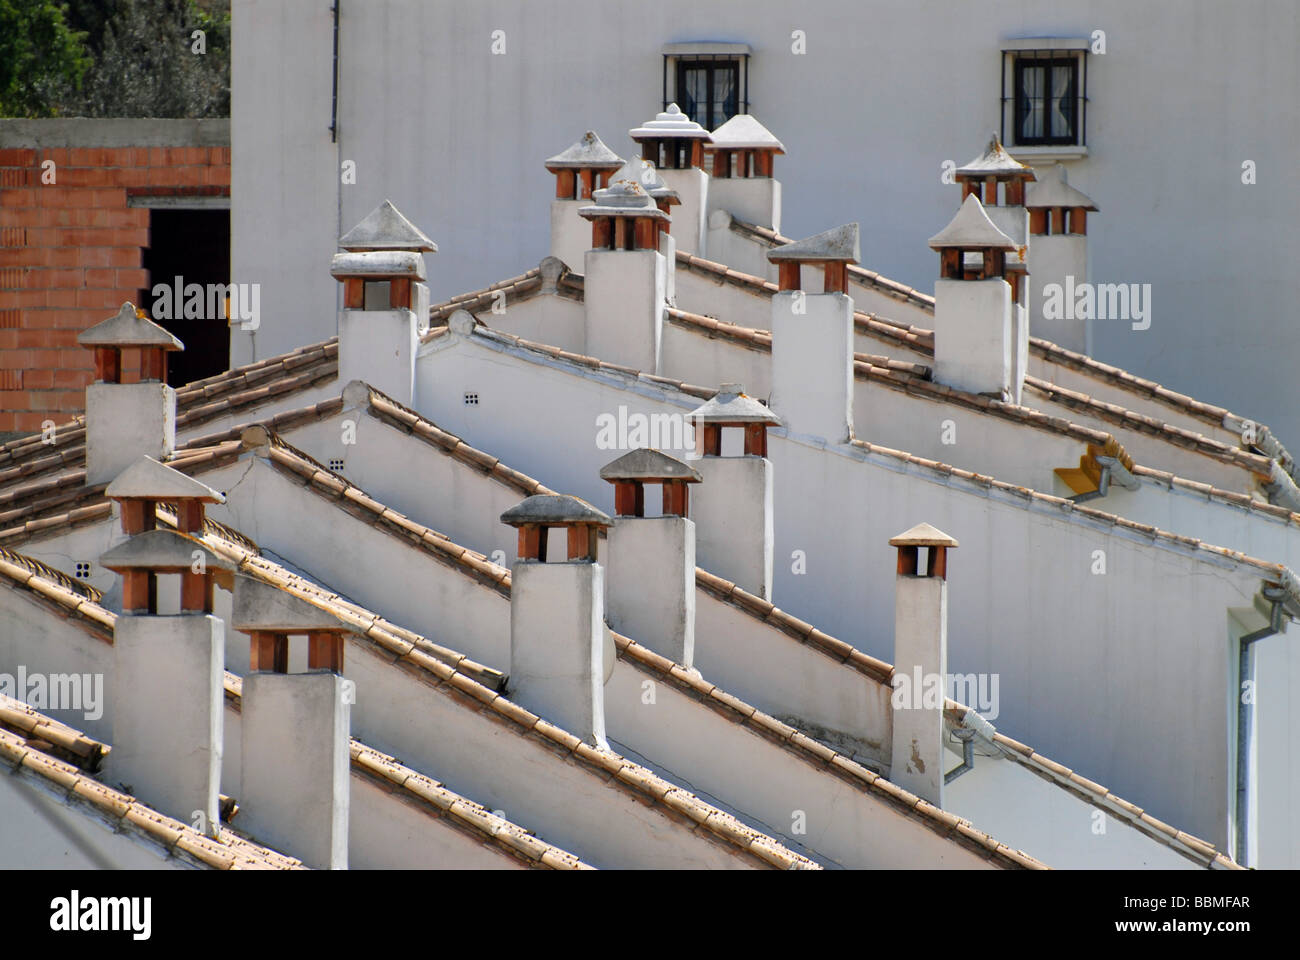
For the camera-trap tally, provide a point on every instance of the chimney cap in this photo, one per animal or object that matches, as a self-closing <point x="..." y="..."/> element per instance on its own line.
<point x="996" y="162"/>
<point x="623" y="198"/>
<point x="643" y="172"/>
<point x="555" y="510"/>
<point x="384" y="228"/>
<point x="147" y="479"/>
<point x="589" y="153"/>
<point x="971" y="229"/>
<point x="743" y="132"/>
<point x="923" y="535"/>
<point x="648" y="464"/>
<point x="258" y="606"/>
<point x="162" y="551"/>
<point x="1054" y="191"/>
<point x="380" y="264"/>
<point x="672" y="124"/>
<point x="731" y="405"/>
<point x="128" y="328"/>
<point x="839" y="245"/>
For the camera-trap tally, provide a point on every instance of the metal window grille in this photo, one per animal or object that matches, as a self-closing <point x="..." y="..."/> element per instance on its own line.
<point x="710" y="88"/>
<point x="1047" y="104"/>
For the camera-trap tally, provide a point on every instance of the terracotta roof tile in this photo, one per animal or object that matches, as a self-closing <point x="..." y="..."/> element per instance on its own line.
<point x="1051" y="352"/>
<point x="227" y="851"/>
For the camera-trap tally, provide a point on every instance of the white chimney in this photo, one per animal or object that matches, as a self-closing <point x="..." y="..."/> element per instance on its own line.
<point x="734" y="503"/>
<point x="168" y="696"/>
<point x="625" y="284"/>
<point x="559" y="660"/>
<point x="982" y="178"/>
<point x="295" y="727"/>
<point x="385" y="301"/>
<point x="920" y="662"/>
<point x="743" y="152"/>
<point x="674" y="143"/>
<point x="125" y="421"/>
<point x="812" y="336"/>
<point x="974" y="337"/>
<point x="1058" y="254"/>
<point x="651" y="591"/>
<point x="579" y="171"/>
<point x="642" y="171"/>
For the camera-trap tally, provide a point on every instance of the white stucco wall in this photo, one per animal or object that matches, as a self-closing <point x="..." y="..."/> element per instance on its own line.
<point x="345" y="552"/>
<point x="562" y="74"/>
<point x="286" y="176"/>
<point x="41" y="832"/>
<point x="553" y="320"/>
<point x="845" y="826"/>
<point x="800" y="685"/>
<point x="1024" y="810"/>
<point x="1034" y="614"/>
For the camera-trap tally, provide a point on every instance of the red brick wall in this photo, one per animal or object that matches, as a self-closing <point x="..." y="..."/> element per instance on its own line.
<point x="70" y="254"/>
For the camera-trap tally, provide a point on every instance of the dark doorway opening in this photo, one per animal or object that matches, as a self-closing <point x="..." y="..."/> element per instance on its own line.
<point x="195" y="246"/>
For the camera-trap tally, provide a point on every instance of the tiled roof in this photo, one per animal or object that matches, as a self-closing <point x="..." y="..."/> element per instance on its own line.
<point x="821" y="756"/>
<point x="35" y="745"/>
<point x="50" y="735"/>
<point x="915" y="379"/>
<point x="1094" y="793"/>
<point x="1275" y="570"/>
<point x="196" y="403"/>
<point x="1053" y="353"/>
<point x="862" y="275"/>
<point x="127" y="815"/>
<point x="391" y="637"/>
<point x="472" y="818"/>
<point x="516" y="290"/>
<point x="922" y="341"/>
<point x="20" y="727"/>
<point x="592" y="363"/>
<point x="388" y="410"/>
<point x="474" y="565"/>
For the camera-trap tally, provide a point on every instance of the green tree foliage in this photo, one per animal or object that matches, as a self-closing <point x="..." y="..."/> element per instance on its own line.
<point x="146" y="64"/>
<point x="42" y="60"/>
<point x="90" y="17"/>
<point x="114" y="58"/>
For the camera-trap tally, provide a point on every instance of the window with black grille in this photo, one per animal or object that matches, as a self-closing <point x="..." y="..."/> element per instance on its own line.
<point x="708" y="92"/>
<point x="708" y="81"/>
<point x="1045" y="98"/>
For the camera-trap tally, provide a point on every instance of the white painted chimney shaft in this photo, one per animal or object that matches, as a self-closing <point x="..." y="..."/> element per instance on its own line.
<point x="920" y="662"/>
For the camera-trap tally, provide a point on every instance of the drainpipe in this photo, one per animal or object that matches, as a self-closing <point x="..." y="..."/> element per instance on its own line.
<point x="966" y="729"/>
<point x="1281" y="489"/>
<point x="1246" y="671"/>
